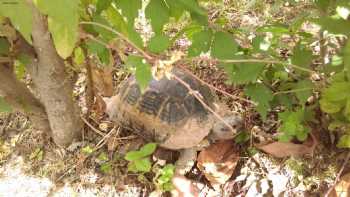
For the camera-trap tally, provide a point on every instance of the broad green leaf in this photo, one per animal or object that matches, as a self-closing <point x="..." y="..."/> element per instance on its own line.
<point x="301" y="56"/>
<point x="303" y="90"/>
<point x="334" y="25"/>
<point x="100" y="50"/>
<point x="344" y="142"/>
<point x="143" y="75"/>
<point x="148" y="149"/>
<point x="260" y="94"/>
<point x="201" y="42"/>
<point x="292" y="125"/>
<point x="244" y="72"/>
<point x="20" y="15"/>
<point x="129" y="9"/>
<point x="337" y="60"/>
<point x="224" y="46"/>
<point x="63" y="21"/>
<point x="104" y="34"/>
<point x="143" y="165"/>
<point x="330" y="106"/>
<point x="337" y="91"/>
<point x="102" y="157"/>
<point x="4" y="106"/>
<point x="4" y="46"/>
<point x="242" y="137"/>
<point x="260" y="43"/>
<point x="322" y="4"/>
<point x="143" y="71"/>
<point x="176" y="9"/>
<point x="347" y="58"/>
<point x="87" y="150"/>
<point x="79" y="57"/>
<point x="276" y="30"/>
<point x="197" y="13"/>
<point x="158" y="14"/>
<point x="133" y="156"/>
<point x="134" y="37"/>
<point x="117" y="20"/>
<point x="158" y="43"/>
<point x="102" y="5"/>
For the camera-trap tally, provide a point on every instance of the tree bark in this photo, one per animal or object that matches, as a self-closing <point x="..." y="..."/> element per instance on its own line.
<point x="18" y="96"/>
<point x="53" y="84"/>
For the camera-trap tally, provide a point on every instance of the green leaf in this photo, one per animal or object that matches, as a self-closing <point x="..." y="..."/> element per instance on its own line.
<point x="244" y="72"/>
<point x="337" y="60"/>
<point x="20" y="65"/>
<point x="20" y="15"/>
<point x="145" y="151"/>
<point x="106" y="168"/>
<point x="134" y="37"/>
<point x="261" y="95"/>
<point x="337" y="91"/>
<point x="175" y="9"/>
<point x="301" y="56"/>
<point x="104" y="34"/>
<point x="158" y="43"/>
<point x="143" y="165"/>
<point x="334" y="25"/>
<point x="100" y="50"/>
<point x="158" y="13"/>
<point x="347" y="109"/>
<point x="344" y="142"/>
<point x="347" y="58"/>
<point x="276" y="30"/>
<point x="260" y="43"/>
<point x="4" y="106"/>
<point x="242" y="137"/>
<point x="4" y="46"/>
<point x="117" y="20"/>
<point x="292" y="125"/>
<point x="129" y="9"/>
<point x="305" y="87"/>
<point x="143" y="71"/>
<point x="330" y="106"/>
<point x="148" y="149"/>
<point x="102" y="157"/>
<point x="322" y="4"/>
<point x="79" y="57"/>
<point x="102" y="5"/>
<point x="197" y="13"/>
<point x="87" y="150"/>
<point x="224" y="46"/>
<point x="201" y="42"/>
<point x="63" y="21"/>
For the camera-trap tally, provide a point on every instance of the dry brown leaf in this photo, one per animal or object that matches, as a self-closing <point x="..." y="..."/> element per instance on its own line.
<point x="102" y="80"/>
<point x="285" y="149"/>
<point x="342" y="189"/>
<point x="218" y="161"/>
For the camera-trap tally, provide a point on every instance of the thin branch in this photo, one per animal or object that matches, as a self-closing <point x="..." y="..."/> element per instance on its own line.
<point x="198" y="96"/>
<point x="267" y="62"/>
<point x="92" y="127"/>
<point x="292" y="91"/>
<point x="339" y="174"/>
<point x="217" y="89"/>
<point x="120" y="35"/>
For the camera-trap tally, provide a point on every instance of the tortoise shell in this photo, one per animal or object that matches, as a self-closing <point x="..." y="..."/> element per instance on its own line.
<point x="165" y="111"/>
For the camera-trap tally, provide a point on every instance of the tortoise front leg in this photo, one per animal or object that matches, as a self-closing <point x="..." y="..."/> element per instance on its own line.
<point x="186" y="161"/>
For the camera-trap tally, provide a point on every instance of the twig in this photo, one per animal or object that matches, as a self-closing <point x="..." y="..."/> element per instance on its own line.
<point x="219" y="90"/>
<point x="103" y="140"/>
<point x="198" y="96"/>
<point x="292" y="91"/>
<point x="92" y="127"/>
<point x="265" y="61"/>
<point x="339" y="174"/>
<point x="120" y="35"/>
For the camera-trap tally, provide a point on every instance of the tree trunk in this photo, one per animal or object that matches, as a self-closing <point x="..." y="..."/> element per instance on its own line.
<point x="19" y="97"/>
<point x="53" y="85"/>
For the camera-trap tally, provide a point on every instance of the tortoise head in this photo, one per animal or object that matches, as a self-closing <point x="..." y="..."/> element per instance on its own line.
<point x="221" y="131"/>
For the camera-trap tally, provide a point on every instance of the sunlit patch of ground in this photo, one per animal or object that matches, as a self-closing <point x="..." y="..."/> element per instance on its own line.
<point x="15" y="182"/>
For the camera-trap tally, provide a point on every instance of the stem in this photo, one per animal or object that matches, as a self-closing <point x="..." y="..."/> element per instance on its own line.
<point x="291" y="91"/>
<point x="120" y="35"/>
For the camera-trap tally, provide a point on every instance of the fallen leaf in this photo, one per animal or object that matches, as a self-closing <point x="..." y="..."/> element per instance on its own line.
<point x="218" y="161"/>
<point x="342" y="189"/>
<point x="285" y="149"/>
<point x="102" y="80"/>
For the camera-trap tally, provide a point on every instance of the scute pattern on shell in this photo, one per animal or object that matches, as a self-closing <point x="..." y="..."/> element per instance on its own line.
<point x="165" y="109"/>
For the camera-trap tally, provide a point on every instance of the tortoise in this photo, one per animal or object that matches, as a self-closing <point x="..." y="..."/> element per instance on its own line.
<point x="167" y="112"/>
